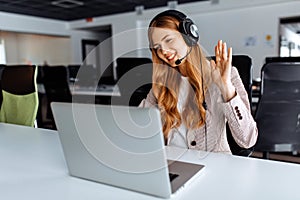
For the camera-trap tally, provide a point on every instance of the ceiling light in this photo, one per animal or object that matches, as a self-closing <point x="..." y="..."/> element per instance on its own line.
<point x="67" y="3"/>
<point x="215" y="2"/>
<point x="172" y="4"/>
<point x="139" y="9"/>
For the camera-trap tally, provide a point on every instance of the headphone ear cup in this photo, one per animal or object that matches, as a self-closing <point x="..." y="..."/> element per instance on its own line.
<point x="189" y="32"/>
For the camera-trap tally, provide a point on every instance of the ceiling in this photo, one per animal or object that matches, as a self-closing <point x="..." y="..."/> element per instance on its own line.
<point x="79" y="9"/>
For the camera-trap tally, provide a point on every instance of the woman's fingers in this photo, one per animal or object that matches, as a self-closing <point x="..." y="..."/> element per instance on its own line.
<point x="219" y="53"/>
<point x="224" y="51"/>
<point x="221" y="69"/>
<point x="230" y="55"/>
<point x="223" y="55"/>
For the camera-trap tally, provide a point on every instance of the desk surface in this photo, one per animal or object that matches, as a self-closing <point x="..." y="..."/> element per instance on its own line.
<point x="104" y="90"/>
<point x="33" y="167"/>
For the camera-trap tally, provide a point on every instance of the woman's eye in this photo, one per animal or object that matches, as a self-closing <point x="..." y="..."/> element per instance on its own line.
<point x="156" y="48"/>
<point x="169" y="40"/>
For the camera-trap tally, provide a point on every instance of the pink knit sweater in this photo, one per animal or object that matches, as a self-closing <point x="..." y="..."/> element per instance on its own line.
<point x="236" y="112"/>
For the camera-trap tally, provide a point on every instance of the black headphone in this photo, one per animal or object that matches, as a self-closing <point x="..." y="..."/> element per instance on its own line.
<point x="187" y="27"/>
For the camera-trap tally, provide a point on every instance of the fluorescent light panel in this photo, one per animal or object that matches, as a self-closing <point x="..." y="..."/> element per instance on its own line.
<point x="67" y="3"/>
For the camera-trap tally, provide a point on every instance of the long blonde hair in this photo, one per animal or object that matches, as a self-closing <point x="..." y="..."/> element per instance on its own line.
<point x="166" y="82"/>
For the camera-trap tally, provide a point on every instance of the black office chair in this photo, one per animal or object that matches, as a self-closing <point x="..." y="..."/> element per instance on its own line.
<point x="243" y="63"/>
<point x="56" y="84"/>
<point x="1" y="70"/>
<point x="20" y="98"/>
<point x="134" y="80"/>
<point x="282" y="59"/>
<point x="278" y="111"/>
<point x="72" y="71"/>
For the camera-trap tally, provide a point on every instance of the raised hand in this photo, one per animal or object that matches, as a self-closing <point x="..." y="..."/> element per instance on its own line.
<point x="221" y="70"/>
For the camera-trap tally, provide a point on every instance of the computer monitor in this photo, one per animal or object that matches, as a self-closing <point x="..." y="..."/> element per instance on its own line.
<point x="107" y="77"/>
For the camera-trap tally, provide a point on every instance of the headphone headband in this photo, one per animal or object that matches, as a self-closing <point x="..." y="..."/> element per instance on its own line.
<point x="173" y="13"/>
<point x="186" y="26"/>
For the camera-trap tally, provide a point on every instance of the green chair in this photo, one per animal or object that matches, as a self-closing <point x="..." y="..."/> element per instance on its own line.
<point x="20" y="96"/>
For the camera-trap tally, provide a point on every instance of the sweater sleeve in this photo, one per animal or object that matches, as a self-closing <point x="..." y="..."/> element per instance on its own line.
<point x="238" y="114"/>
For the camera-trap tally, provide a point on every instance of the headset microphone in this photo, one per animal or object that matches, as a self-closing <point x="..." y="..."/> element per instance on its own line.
<point x="178" y="61"/>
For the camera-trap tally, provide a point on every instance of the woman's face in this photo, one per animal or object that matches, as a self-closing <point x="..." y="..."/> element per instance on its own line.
<point x="169" y="45"/>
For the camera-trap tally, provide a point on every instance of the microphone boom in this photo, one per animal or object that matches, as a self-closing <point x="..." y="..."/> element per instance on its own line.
<point x="178" y="61"/>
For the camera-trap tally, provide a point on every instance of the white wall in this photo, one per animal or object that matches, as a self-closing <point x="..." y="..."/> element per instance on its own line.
<point x="2" y="52"/>
<point x="76" y="37"/>
<point x="252" y="23"/>
<point x="28" y="24"/>
<point x="234" y="21"/>
<point x="25" y="48"/>
<point x="124" y="35"/>
<point x="35" y="40"/>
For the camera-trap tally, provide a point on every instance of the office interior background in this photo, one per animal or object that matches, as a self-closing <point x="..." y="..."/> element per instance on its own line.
<point x="257" y="28"/>
<point x="252" y="27"/>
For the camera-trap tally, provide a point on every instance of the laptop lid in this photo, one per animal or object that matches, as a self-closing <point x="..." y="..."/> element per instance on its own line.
<point x="116" y="145"/>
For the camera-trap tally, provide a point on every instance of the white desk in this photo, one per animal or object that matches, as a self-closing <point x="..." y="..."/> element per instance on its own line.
<point x="107" y="90"/>
<point x="32" y="167"/>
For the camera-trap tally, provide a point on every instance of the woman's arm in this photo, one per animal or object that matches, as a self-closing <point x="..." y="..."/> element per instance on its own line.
<point x="238" y="114"/>
<point x="236" y="105"/>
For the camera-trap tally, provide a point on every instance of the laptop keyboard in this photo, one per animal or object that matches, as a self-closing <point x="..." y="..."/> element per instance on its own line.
<point x="172" y="176"/>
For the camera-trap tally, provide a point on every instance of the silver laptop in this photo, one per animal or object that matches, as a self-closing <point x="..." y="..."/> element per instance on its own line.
<point x="120" y="146"/>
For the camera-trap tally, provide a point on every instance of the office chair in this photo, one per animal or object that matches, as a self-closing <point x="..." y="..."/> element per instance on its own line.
<point x="282" y="59"/>
<point x="72" y="71"/>
<point x="56" y="84"/>
<point x="243" y="63"/>
<point x="134" y="79"/>
<point x="1" y="70"/>
<point x="20" y="97"/>
<point x="278" y="111"/>
<point x="87" y="76"/>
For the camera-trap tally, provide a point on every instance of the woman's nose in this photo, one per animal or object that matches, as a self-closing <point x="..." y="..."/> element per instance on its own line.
<point x="165" y="51"/>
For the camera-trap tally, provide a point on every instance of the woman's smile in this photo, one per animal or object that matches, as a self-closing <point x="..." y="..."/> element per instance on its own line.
<point x="170" y="56"/>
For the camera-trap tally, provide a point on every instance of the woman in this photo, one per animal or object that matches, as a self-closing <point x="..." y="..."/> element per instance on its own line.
<point x="196" y="97"/>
